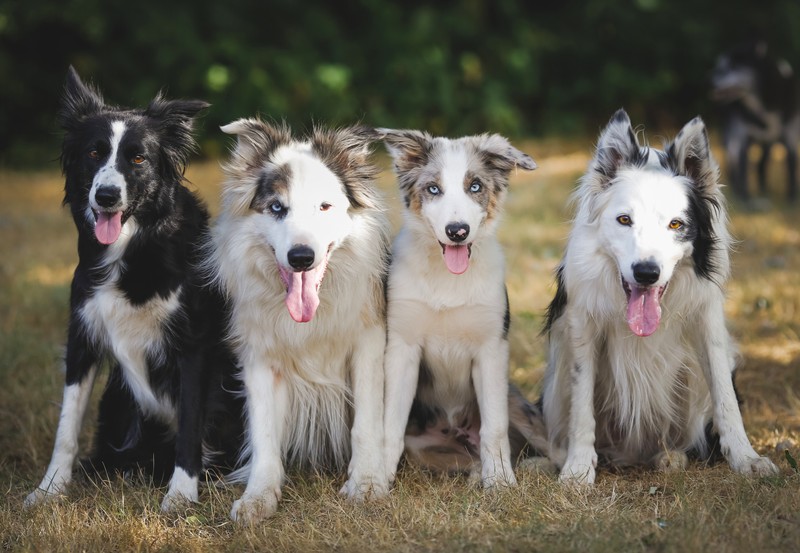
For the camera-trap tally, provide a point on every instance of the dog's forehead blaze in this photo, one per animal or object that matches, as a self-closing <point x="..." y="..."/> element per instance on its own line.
<point x="650" y="194"/>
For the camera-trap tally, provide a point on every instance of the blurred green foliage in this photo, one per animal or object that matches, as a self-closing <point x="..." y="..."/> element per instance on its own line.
<point x="453" y="66"/>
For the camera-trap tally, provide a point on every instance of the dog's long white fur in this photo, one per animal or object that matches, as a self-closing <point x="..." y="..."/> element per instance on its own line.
<point x="314" y="390"/>
<point x="639" y="399"/>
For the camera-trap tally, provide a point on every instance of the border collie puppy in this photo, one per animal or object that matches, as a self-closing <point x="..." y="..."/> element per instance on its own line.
<point x="136" y="300"/>
<point x="301" y="249"/>
<point x="447" y="396"/>
<point x="641" y="362"/>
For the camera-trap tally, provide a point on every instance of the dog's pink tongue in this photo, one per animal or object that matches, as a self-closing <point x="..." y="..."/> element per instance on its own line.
<point x="456" y="258"/>
<point x="644" y="311"/>
<point x="108" y="227"/>
<point x="302" y="296"/>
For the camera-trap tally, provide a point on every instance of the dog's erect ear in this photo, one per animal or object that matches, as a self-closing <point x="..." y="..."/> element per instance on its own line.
<point x="175" y="121"/>
<point x="347" y="152"/>
<point x="409" y="149"/>
<point x="256" y="140"/>
<point x="690" y="155"/>
<point x="79" y="100"/>
<point x="616" y="146"/>
<point x="497" y="152"/>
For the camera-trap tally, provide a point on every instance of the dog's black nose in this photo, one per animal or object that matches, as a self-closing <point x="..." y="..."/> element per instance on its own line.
<point x="107" y="196"/>
<point x="646" y="272"/>
<point x="301" y="257"/>
<point x="457" y="232"/>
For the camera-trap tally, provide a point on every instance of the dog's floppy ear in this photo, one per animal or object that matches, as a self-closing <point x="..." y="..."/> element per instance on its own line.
<point x="498" y="153"/>
<point x="78" y="101"/>
<point x="409" y="148"/>
<point x="255" y="140"/>
<point x="175" y="120"/>
<point x="690" y="155"/>
<point x="617" y="145"/>
<point x="347" y="152"/>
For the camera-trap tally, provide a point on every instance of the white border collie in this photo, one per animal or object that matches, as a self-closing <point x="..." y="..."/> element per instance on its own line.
<point x="447" y="392"/>
<point x="136" y="299"/>
<point x="640" y="359"/>
<point x="301" y="248"/>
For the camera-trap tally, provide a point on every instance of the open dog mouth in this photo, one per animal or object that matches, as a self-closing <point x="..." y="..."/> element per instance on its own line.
<point x="644" y="307"/>
<point x="107" y="226"/>
<point x="302" y="289"/>
<point x="456" y="257"/>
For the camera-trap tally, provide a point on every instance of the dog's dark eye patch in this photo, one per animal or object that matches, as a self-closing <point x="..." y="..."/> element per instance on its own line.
<point x="271" y="184"/>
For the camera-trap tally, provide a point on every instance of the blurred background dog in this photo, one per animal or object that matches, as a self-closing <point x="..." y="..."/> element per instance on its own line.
<point x="758" y="95"/>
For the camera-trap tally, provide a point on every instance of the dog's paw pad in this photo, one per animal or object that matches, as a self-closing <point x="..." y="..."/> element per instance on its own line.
<point x="252" y="510"/>
<point x="671" y="461"/>
<point x="38" y="497"/>
<point x="365" y="488"/>
<point x="758" y="466"/>
<point x="578" y="475"/>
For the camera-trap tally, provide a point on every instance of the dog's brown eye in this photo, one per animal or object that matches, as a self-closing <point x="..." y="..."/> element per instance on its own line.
<point x="94" y="154"/>
<point x="676" y="224"/>
<point x="325" y="206"/>
<point x="138" y="159"/>
<point x="624" y="220"/>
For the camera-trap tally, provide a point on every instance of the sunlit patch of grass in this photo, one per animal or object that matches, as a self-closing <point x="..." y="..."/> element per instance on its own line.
<point x="703" y="508"/>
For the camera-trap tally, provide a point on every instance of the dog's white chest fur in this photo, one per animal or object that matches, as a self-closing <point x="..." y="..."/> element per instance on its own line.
<point x="451" y="316"/>
<point x="132" y="333"/>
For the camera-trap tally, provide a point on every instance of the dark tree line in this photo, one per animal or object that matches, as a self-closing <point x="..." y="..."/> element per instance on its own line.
<point x="452" y="66"/>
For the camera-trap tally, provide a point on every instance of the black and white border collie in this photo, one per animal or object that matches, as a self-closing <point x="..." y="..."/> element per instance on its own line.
<point x="641" y="361"/>
<point x="301" y="248"/>
<point x="136" y="300"/>
<point x="448" y="401"/>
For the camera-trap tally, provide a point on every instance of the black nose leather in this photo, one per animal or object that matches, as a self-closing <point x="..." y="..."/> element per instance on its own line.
<point x="107" y="196"/>
<point x="646" y="272"/>
<point x="457" y="232"/>
<point x="301" y="257"/>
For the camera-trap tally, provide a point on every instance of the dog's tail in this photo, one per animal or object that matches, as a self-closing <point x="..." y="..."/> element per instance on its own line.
<point x="526" y="429"/>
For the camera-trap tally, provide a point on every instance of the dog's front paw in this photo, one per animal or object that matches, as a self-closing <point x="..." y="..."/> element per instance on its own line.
<point x="360" y="488"/>
<point x="496" y="479"/>
<point x="579" y="469"/>
<point x="252" y="509"/>
<point x="39" y="496"/>
<point x="182" y="492"/>
<point x="754" y="466"/>
<point x="175" y="501"/>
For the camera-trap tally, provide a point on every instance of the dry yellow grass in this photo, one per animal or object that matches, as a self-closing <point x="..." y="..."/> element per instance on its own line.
<point x="703" y="508"/>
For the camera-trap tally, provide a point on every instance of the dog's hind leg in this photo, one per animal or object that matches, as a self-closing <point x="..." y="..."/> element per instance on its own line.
<point x="670" y="460"/>
<point x="81" y="373"/>
<point x="763" y="163"/>
<point x="790" y="143"/>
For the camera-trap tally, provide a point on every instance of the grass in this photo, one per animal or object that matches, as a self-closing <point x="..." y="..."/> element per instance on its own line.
<point x="633" y="510"/>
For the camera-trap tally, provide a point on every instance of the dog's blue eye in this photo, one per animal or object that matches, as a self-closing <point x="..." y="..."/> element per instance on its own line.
<point x="276" y="207"/>
<point x="624" y="220"/>
<point x="475" y="186"/>
<point x="433" y="189"/>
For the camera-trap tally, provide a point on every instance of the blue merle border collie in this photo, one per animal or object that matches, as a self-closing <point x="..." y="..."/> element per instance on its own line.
<point x="137" y="300"/>
<point x="641" y="362"/>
